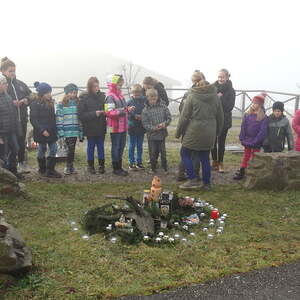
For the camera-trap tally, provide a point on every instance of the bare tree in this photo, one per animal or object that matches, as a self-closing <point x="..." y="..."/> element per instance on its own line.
<point x="130" y="72"/>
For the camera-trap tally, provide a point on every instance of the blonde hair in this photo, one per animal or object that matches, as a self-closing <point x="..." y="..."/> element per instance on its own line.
<point x="197" y="76"/>
<point x="226" y="72"/>
<point x="151" y="92"/>
<point x="202" y="83"/>
<point x="66" y="99"/>
<point x="260" y="113"/>
<point x="136" y="88"/>
<point x="6" y="63"/>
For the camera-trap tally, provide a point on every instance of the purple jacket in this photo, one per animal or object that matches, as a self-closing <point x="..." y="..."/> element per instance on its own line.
<point x="253" y="132"/>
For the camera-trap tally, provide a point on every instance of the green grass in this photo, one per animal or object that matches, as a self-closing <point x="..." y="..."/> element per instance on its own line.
<point x="262" y="230"/>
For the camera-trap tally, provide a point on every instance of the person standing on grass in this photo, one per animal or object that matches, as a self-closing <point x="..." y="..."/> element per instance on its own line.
<point x="136" y="131"/>
<point x="201" y="119"/>
<point x="152" y="83"/>
<point x="226" y="94"/>
<point x="43" y="120"/>
<point x="296" y="127"/>
<point x="196" y="77"/>
<point x="68" y="126"/>
<point x="279" y="131"/>
<point x="92" y="116"/>
<point x="117" y="120"/>
<point x="8" y="130"/>
<point x="20" y="94"/>
<point x="156" y="117"/>
<point x="254" y="130"/>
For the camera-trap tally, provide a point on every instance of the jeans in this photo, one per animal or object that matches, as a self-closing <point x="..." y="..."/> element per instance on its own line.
<point x="249" y="153"/>
<point x="135" y="141"/>
<point x="156" y="148"/>
<point x="218" y="151"/>
<point x="203" y="156"/>
<point x="118" y="143"/>
<point x="43" y="149"/>
<point x="95" y="141"/>
<point x="10" y="150"/>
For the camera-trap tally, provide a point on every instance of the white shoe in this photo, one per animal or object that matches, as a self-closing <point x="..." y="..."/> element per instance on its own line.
<point x="23" y="168"/>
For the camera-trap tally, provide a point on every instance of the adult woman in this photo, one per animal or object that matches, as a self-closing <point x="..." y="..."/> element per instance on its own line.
<point x="226" y="94"/>
<point x="199" y="123"/>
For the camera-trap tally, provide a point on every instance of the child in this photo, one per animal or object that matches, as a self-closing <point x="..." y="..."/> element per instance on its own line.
<point x="43" y="120"/>
<point x="253" y="132"/>
<point x="20" y="93"/>
<point x="156" y="117"/>
<point x="92" y="115"/>
<point x="67" y="123"/>
<point x="8" y="130"/>
<point x="279" y="130"/>
<point x="296" y="127"/>
<point x="117" y="118"/>
<point x="136" y="130"/>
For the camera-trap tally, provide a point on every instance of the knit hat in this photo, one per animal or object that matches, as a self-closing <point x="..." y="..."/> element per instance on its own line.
<point x="278" y="105"/>
<point x="114" y="78"/>
<point x="259" y="99"/>
<point x="42" y="88"/>
<point x="70" y="88"/>
<point x="3" y="79"/>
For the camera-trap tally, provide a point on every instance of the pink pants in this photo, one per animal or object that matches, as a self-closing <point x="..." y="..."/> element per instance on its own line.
<point x="249" y="153"/>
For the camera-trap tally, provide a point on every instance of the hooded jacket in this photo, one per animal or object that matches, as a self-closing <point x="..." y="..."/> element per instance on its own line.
<point x="253" y="132"/>
<point x="228" y="101"/>
<point x="296" y="127"/>
<point x="279" y="130"/>
<point x="201" y="119"/>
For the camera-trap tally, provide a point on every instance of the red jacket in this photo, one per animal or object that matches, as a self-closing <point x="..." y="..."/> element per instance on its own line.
<point x="296" y="127"/>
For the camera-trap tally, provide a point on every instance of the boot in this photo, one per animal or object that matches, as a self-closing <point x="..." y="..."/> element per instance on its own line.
<point x="91" y="169"/>
<point x="191" y="184"/>
<point x="101" y="166"/>
<point x="221" y="168"/>
<point x="50" y="168"/>
<point x="215" y="165"/>
<point x="240" y="175"/>
<point x="42" y="166"/>
<point x="68" y="169"/>
<point x="116" y="168"/>
<point x="16" y="173"/>
<point x="181" y="172"/>
<point x="23" y="168"/>
<point x="124" y="173"/>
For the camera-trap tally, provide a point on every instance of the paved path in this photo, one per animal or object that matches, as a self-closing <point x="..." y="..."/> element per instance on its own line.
<point x="281" y="283"/>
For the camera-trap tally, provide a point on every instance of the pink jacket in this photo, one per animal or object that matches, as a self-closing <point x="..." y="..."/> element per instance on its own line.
<point x="296" y="127"/>
<point x="116" y="110"/>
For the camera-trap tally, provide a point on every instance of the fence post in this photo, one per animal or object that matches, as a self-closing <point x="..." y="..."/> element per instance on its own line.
<point x="297" y="103"/>
<point x="243" y="103"/>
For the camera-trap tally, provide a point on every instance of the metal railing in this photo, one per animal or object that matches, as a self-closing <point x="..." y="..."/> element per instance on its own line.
<point x="243" y="98"/>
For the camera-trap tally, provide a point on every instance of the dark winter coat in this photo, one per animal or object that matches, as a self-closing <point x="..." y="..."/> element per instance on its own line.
<point x="227" y="100"/>
<point x="88" y="105"/>
<point x="154" y="115"/>
<point x="135" y="127"/>
<point x="8" y="115"/>
<point x="162" y="94"/>
<point x="201" y="119"/>
<point x="42" y="117"/>
<point x="253" y="132"/>
<point x="18" y="90"/>
<point x="279" y="130"/>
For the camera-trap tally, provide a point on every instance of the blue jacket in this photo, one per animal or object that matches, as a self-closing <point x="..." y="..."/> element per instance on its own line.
<point x="135" y="127"/>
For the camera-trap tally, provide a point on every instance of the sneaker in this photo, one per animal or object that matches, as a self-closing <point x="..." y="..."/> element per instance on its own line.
<point x="221" y="168"/>
<point x="23" y="168"/>
<point x="191" y="184"/>
<point x="206" y="187"/>
<point x="152" y="172"/>
<point x="215" y="165"/>
<point x="132" y="167"/>
<point x="240" y="175"/>
<point x="140" y="167"/>
<point x="67" y="171"/>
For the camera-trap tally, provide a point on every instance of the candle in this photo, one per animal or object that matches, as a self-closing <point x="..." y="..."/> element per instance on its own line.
<point x="214" y="214"/>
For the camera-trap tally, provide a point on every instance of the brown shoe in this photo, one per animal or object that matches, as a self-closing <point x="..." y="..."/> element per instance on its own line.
<point x="215" y="165"/>
<point x="221" y="168"/>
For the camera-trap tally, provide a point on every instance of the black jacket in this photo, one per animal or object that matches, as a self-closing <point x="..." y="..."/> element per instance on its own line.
<point x="8" y="115"/>
<point x="42" y="117"/>
<point x="135" y="127"/>
<point x="227" y="100"/>
<point x="18" y="90"/>
<point x="162" y="94"/>
<point x="88" y="104"/>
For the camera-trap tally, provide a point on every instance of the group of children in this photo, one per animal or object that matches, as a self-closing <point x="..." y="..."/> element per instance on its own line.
<point x="93" y="113"/>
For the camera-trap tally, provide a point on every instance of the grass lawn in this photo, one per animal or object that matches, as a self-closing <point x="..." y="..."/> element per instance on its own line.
<point x="262" y="230"/>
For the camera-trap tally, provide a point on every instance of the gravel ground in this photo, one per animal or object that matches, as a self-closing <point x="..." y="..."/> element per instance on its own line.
<point x="275" y="283"/>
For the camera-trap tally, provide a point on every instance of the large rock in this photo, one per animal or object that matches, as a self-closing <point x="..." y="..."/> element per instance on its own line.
<point x="9" y="184"/>
<point x="274" y="171"/>
<point x="15" y="256"/>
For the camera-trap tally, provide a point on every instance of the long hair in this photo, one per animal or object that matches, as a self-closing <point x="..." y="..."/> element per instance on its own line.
<point x="90" y="84"/>
<point x="65" y="101"/>
<point x="48" y="103"/>
<point x="6" y="63"/>
<point x="260" y="113"/>
<point x="150" y="80"/>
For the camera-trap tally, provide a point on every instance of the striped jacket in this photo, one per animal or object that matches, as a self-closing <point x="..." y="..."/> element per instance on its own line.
<point x="67" y="121"/>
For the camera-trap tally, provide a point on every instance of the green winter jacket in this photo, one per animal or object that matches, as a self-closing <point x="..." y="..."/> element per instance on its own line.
<point x="201" y="119"/>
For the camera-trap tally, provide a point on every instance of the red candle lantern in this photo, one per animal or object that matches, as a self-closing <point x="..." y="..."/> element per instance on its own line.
<point x="214" y="214"/>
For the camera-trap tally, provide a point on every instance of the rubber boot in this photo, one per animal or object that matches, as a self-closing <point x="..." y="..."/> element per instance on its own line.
<point x="91" y="169"/>
<point x="124" y="173"/>
<point x="101" y="166"/>
<point x="42" y="166"/>
<point x="116" y="168"/>
<point x="50" y="168"/>
<point x="240" y="175"/>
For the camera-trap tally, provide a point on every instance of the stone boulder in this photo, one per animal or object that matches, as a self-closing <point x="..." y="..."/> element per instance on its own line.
<point x="274" y="171"/>
<point x="15" y="256"/>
